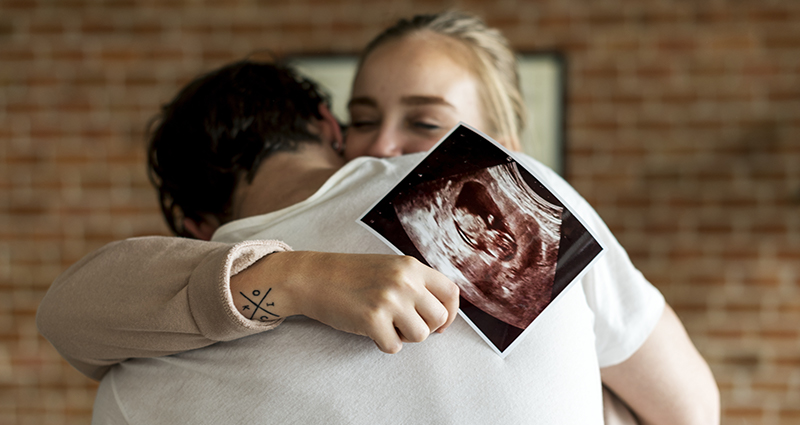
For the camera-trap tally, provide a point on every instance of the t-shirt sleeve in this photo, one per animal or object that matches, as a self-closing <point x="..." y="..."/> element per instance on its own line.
<point x="148" y="297"/>
<point x="625" y="305"/>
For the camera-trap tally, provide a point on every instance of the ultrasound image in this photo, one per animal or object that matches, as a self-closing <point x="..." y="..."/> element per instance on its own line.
<point x="491" y="234"/>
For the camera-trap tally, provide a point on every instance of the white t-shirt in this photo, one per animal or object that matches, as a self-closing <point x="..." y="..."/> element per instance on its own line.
<point x="305" y="372"/>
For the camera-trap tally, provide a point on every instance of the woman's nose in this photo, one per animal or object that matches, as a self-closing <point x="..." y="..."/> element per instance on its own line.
<point x="386" y="144"/>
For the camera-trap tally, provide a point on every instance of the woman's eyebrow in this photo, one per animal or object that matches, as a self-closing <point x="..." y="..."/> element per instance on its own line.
<point x="425" y="100"/>
<point x="414" y="100"/>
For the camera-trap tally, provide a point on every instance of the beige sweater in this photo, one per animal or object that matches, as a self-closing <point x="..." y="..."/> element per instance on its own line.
<point x="186" y="302"/>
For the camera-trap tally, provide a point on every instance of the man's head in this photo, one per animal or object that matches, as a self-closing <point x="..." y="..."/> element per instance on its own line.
<point x="217" y="131"/>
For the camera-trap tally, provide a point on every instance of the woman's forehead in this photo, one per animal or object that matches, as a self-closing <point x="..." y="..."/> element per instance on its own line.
<point x="422" y="49"/>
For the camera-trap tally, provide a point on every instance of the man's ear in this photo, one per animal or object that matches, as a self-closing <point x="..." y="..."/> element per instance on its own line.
<point x="202" y="230"/>
<point x="330" y="129"/>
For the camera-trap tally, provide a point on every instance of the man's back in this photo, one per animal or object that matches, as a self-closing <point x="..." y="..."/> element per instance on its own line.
<point x="306" y="372"/>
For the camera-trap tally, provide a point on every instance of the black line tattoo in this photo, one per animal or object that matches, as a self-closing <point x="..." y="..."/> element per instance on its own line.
<point x="258" y="305"/>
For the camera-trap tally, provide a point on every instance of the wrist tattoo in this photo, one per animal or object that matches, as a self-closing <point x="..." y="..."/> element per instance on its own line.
<point x="260" y="305"/>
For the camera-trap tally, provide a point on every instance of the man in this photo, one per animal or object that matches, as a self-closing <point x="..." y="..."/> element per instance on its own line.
<point x="208" y="159"/>
<point x="303" y="371"/>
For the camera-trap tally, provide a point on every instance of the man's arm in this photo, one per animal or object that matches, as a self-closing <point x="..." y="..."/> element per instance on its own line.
<point x="666" y="381"/>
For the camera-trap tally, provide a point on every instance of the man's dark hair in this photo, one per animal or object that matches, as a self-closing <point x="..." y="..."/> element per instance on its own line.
<point x="219" y="128"/>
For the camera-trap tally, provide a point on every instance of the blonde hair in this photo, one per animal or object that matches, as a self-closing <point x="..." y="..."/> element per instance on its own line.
<point x="493" y="61"/>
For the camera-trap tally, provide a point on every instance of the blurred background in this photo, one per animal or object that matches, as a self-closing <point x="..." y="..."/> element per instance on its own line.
<point x="682" y="129"/>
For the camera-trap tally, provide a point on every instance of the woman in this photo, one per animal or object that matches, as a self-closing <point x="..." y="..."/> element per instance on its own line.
<point x="448" y="68"/>
<point x="443" y="69"/>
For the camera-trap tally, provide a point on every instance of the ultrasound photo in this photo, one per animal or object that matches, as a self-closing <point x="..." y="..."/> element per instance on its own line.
<point x="491" y="234"/>
<point x="473" y="212"/>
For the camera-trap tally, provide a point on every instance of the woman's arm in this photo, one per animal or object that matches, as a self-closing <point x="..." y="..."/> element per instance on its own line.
<point x="666" y="381"/>
<point x="147" y="297"/>
<point x="155" y="296"/>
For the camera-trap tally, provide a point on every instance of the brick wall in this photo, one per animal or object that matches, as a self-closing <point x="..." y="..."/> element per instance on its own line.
<point x="682" y="130"/>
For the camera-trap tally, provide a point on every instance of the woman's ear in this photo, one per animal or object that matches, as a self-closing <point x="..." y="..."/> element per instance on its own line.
<point x="330" y="129"/>
<point x="202" y="230"/>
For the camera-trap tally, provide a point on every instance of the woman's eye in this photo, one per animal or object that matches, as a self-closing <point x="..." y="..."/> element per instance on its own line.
<point x="426" y="126"/>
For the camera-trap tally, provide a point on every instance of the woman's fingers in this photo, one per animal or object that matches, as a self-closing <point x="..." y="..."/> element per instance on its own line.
<point x="391" y="299"/>
<point x="447" y="295"/>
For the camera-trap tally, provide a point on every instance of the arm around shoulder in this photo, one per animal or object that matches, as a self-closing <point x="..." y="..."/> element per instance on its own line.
<point x="667" y="381"/>
<point x="147" y="297"/>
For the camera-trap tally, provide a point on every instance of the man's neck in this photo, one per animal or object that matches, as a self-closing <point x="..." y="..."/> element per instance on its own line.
<point x="284" y="179"/>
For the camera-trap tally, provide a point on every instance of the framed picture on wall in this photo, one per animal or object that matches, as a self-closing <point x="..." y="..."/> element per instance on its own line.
<point x="542" y="79"/>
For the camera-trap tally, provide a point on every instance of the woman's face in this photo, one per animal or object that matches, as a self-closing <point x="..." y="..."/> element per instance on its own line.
<point x="407" y="95"/>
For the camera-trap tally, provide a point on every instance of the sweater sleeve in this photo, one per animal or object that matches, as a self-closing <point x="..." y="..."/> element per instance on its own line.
<point x="148" y="297"/>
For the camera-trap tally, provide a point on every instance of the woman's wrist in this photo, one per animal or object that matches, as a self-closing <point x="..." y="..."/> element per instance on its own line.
<point x="262" y="292"/>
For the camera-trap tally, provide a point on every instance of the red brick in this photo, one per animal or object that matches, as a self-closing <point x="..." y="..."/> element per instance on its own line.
<point x="789" y="254"/>
<point x="140" y="80"/>
<point x="770" y="14"/>
<point x="733" y="307"/>
<point x="46" y="28"/>
<point x="248" y="29"/>
<point x="682" y="308"/>
<point x="14" y="54"/>
<point x="745" y="361"/>
<point x="650" y="18"/>
<point x="97" y="27"/>
<point x="677" y="98"/>
<point x="121" y="54"/>
<point x="340" y="26"/>
<point x="19" y="4"/>
<point x="743" y="412"/>
<point x="681" y="45"/>
<point x="781" y="42"/>
<point x="654" y="72"/>
<point x="23" y="107"/>
<point x="604" y="18"/>
<point x="120" y="4"/>
<point x="218" y="56"/>
<point x="198" y="29"/>
<point x="623" y="99"/>
<point x="76" y="105"/>
<point x="297" y="27"/>
<point x="663" y="229"/>
<point x="708" y="280"/>
<point x="506" y="21"/>
<point x="791" y="361"/>
<point x="726" y="334"/>
<point x="781" y="334"/>
<point x="732" y="42"/>
<point x="71" y="4"/>
<point x="713" y="16"/>
<point x="551" y="22"/>
<point x="625" y="45"/>
<point x="146" y="29"/>
<point x="770" y="228"/>
<point x="784" y="95"/>
<point x="68" y="54"/>
<point x="766" y="281"/>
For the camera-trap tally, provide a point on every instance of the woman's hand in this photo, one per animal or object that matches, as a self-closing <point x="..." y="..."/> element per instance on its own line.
<point x="389" y="298"/>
